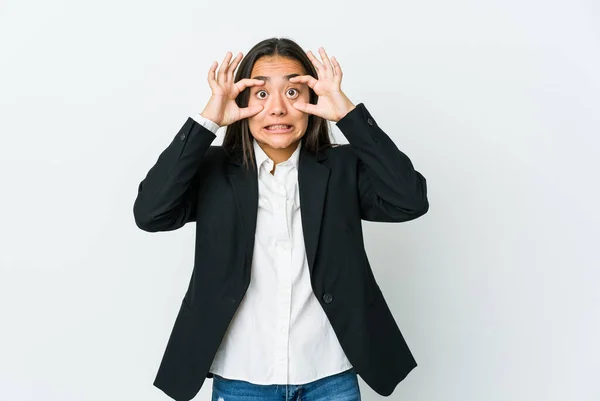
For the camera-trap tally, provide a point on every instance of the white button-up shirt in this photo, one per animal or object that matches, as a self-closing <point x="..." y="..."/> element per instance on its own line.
<point x="280" y="333"/>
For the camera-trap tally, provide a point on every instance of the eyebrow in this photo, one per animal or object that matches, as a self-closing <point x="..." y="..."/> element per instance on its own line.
<point x="264" y="78"/>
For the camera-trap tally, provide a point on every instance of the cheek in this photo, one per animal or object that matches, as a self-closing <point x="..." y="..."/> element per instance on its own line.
<point x="305" y="97"/>
<point x="251" y="100"/>
<point x="253" y="123"/>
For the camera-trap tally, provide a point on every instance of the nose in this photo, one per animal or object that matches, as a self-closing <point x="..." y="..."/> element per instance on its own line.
<point x="277" y="105"/>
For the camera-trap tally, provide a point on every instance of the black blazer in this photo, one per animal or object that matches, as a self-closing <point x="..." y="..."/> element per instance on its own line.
<point x="369" y="179"/>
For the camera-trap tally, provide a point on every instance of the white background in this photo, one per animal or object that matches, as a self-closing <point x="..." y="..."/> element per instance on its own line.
<point x="497" y="103"/>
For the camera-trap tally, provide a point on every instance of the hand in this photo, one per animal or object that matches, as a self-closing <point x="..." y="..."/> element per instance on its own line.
<point x="221" y="107"/>
<point x="332" y="104"/>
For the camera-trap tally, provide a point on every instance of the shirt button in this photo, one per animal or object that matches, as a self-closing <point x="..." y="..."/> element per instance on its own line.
<point x="370" y="121"/>
<point x="283" y="329"/>
<point x="182" y="137"/>
<point x="327" y="297"/>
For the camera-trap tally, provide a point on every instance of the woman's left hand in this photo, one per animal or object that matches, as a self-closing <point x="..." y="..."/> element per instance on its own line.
<point x="332" y="103"/>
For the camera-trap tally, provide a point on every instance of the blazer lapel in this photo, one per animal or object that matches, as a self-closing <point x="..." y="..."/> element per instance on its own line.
<point x="245" y="188"/>
<point x="313" y="178"/>
<point x="312" y="184"/>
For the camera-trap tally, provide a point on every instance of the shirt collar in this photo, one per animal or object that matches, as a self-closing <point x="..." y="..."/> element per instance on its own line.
<point x="262" y="157"/>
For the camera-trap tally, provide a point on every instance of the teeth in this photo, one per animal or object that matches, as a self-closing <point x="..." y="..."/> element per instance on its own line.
<point x="273" y="127"/>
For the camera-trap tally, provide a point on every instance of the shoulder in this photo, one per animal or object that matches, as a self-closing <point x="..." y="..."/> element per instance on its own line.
<point x="215" y="159"/>
<point x="215" y="153"/>
<point x="340" y="152"/>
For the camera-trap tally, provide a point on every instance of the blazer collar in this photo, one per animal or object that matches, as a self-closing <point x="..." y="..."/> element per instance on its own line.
<point x="237" y="157"/>
<point x="313" y="178"/>
<point x="262" y="157"/>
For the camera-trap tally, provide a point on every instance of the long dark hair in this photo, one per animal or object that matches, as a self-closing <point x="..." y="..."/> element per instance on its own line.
<point x="238" y="138"/>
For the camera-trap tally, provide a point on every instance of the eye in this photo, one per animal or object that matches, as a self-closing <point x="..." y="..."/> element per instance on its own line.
<point x="291" y="93"/>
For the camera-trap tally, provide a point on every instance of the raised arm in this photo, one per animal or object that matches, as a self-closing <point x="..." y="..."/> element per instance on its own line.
<point x="390" y="189"/>
<point x="167" y="197"/>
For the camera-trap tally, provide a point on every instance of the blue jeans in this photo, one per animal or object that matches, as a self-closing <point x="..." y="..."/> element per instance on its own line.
<point x="339" y="387"/>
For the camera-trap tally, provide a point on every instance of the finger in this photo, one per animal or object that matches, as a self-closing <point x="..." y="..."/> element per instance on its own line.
<point x="224" y="66"/>
<point x="233" y="66"/>
<point x="305" y="79"/>
<point x="306" y="107"/>
<point x="248" y="82"/>
<point x="211" y="72"/>
<point x="315" y="62"/>
<point x="326" y="61"/>
<point x="250" y="111"/>
<point x="337" y="69"/>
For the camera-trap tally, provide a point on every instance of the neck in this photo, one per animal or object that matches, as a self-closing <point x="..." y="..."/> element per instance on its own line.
<point x="280" y="155"/>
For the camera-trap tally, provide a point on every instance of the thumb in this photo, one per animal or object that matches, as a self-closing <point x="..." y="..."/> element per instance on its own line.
<point x="250" y="111"/>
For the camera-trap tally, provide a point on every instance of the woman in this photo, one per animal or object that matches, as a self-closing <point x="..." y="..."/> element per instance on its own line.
<point x="282" y="299"/>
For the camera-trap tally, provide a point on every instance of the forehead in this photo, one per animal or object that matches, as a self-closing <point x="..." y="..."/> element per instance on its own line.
<point x="276" y="67"/>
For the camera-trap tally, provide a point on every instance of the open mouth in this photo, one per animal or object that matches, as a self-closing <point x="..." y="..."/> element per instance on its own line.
<point x="278" y="128"/>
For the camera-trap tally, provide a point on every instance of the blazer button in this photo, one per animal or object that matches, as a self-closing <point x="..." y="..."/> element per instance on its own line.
<point x="370" y="121"/>
<point x="182" y="136"/>
<point x="327" y="298"/>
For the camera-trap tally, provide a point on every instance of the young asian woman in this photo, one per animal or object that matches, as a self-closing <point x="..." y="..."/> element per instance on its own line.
<point x="282" y="293"/>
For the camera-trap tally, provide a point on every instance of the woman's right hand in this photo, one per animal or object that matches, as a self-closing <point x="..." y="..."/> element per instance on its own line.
<point x="221" y="107"/>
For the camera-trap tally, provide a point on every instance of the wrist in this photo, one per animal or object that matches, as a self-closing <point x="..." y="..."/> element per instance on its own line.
<point x="344" y="110"/>
<point x="343" y="106"/>
<point x="210" y="118"/>
<point x="213" y="111"/>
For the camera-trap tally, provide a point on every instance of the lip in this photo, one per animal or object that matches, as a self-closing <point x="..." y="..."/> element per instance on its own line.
<point x="279" y="131"/>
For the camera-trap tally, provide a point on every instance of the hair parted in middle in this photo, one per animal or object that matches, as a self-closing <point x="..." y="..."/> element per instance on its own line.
<point x="238" y="138"/>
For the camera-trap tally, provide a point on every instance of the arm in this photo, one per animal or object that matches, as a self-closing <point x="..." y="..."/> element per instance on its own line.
<point x="166" y="198"/>
<point x="390" y="189"/>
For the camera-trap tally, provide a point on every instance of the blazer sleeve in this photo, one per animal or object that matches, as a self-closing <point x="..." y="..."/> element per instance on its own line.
<point x="389" y="187"/>
<point x="166" y="198"/>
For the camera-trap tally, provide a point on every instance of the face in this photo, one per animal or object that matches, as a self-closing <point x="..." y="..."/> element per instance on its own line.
<point x="277" y="96"/>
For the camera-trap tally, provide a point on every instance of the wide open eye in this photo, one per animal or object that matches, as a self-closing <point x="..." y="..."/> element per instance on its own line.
<point x="291" y="93"/>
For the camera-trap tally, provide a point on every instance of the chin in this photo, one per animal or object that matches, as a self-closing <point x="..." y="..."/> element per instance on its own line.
<point x="280" y="143"/>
